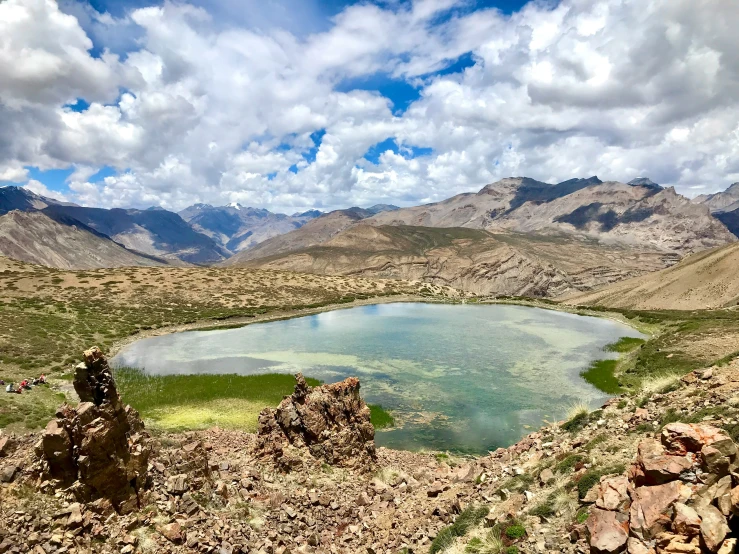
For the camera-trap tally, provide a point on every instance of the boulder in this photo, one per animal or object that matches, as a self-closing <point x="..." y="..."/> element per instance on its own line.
<point x="5" y="445"/>
<point x="670" y="543"/>
<point x="686" y="520"/>
<point x="331" y="422"/>
<point x="728" y="547"/>
<point x="99" y="448"/>
<point x="613" y="493"/>
<point x="655" y="467"/>
<point x="681" y="438"/>
<point x="608" y="531"/>
<point x="713" y="528"/>
<point x="651" y="507"/>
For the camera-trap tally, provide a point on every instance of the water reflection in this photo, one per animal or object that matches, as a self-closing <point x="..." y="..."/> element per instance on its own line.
<point x="460" y="377"/>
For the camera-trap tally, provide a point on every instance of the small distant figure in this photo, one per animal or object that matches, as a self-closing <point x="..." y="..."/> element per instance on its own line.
<point x="11" y="388"/>
<point x="25" y="384"/>
<point x="2" y="383"/>
<point x="42" y="379"/>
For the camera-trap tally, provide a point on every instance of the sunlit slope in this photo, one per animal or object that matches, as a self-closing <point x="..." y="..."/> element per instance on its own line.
<point x="709" y="279"/>
<point x="471" y="259"/>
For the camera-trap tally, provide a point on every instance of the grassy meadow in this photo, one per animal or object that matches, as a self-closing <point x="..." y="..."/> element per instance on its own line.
<point x="49" y="317"/>
<point x="182" y="402"/>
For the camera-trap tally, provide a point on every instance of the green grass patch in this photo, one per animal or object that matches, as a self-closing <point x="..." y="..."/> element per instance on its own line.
<point x="181" y="402"/>
<point x="592" y="477"/>
<point x="602" y="375"/>
<point x="581" y="420"/>
<point x="569" y="463"/>
<point x="380" y="417"/>
<point x="176" y="402"/>
<point x="625" y="344"/>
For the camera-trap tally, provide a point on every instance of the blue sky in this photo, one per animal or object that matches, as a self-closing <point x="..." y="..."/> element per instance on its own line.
<point x="291" y="104"/>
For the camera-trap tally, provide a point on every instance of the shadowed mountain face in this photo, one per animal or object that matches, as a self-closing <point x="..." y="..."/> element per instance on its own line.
<point x="62" y="242"/>
<point x="470" y="259"/>
<point x="154" y="232"/>
<point x="643" y="215"/>
<point x="19" y="198"/>
<point x="238" y="228"/>
<point x="640" y="215"/>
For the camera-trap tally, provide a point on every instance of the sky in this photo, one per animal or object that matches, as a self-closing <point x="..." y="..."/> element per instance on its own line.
<point x="298" y="104"/>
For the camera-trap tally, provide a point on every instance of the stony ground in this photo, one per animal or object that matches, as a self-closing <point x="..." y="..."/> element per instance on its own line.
<point x="212" y="491"/>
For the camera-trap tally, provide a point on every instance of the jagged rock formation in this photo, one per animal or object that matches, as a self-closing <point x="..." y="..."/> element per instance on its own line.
<point x="724" y="201"/>
<point x="680" y="496"/>
<point x="637" y="214"/>
<point x="331" y="421"/>
<point x="99" y="448"/>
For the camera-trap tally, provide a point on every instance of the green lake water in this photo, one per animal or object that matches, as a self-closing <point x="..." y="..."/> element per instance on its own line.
<point x="465" y="378"/>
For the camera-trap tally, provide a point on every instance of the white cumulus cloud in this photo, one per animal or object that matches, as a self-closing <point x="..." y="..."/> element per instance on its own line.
<point x="187" y="108"/>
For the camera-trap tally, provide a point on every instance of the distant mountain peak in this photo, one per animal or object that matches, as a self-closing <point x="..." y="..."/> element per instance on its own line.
<point x="644" y="182"/>
<point x="377" y="208"/>
<point x="308" y="213"/>
<point x="235" y="205"/>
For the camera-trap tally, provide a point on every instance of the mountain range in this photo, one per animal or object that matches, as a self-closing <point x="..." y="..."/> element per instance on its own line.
<point x="514" y="236"/>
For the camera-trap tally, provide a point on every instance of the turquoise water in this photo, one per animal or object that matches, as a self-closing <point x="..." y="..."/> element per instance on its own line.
<point x="456" y="377"/>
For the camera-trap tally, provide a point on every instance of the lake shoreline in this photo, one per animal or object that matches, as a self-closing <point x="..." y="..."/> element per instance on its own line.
<point x="179" y="355"/>
<point x="281" y="315"/>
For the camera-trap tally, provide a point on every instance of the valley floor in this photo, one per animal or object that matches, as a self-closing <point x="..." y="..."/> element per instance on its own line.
<point x="533" y="495"/>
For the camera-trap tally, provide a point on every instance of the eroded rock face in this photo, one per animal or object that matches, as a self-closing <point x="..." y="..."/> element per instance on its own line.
<point x="331" y="422"/>
<point x="100" y="447"/>
<point x="683" y="493"/>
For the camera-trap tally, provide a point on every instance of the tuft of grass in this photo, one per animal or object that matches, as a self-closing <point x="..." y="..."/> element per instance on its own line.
<point x="578" y="409"/>
<point x="726" y="360"/>
<point x="579" y="417"/>
<point x="518" y="483"/>
<point x="595" y="441"/>
<point x="381" y="418"/>
<point x="468" y="518"/>
<point x="569" y="463"/>
<point x="661" y="384"/>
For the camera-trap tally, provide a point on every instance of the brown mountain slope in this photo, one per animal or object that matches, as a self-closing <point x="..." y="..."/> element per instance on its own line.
<point x="315" y="231"/>
<point x="610" y="212"/>
<point x="37" y="238"/>
<point x="705" y="280"/>
<point x="469" y="259"/>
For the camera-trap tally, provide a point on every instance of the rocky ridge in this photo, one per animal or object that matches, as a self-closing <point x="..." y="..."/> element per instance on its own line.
<point x="216" y="492"/>
<point x="98" y="450"/>
<point x="331" y="422"/>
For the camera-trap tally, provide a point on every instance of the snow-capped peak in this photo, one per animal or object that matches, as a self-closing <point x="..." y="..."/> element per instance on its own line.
<point x="235" y="205"/>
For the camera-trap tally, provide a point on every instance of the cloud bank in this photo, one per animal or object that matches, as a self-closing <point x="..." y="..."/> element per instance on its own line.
<point x="177" y="107"/>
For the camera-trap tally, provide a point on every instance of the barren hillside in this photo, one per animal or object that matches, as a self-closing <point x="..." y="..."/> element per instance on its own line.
<point x="472" y="260"/>
<point x="704" y="280"/>
<point x="36" y="238"/>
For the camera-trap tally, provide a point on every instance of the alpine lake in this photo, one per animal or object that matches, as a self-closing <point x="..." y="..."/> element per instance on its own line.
<point x="455" y="377"/>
